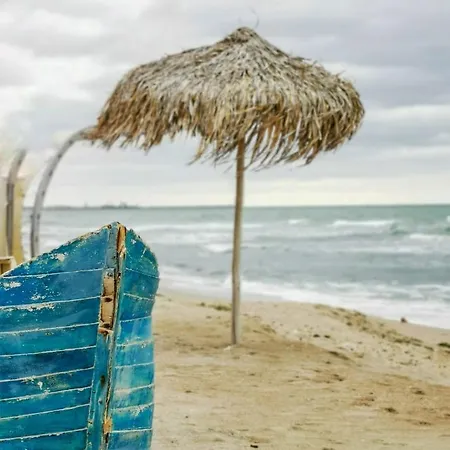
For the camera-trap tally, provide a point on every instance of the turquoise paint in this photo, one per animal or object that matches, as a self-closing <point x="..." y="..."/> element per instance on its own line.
<point x="63" y="383"/>
<point x="77" y="379"/>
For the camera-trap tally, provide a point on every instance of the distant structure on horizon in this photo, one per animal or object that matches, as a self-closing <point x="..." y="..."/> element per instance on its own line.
<point x="121" y="205"/>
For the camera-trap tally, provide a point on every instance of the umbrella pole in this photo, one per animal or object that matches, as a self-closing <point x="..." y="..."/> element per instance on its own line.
<point x="236" y="263"/>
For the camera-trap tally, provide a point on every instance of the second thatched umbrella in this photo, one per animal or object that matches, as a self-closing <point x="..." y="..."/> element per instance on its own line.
<point x="246" y="99"/>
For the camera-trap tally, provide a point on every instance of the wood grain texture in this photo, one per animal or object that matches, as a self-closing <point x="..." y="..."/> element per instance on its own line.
<point x="76" y="346"/>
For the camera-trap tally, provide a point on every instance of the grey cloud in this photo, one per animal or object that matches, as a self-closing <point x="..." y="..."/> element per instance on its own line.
<point x="48" y="45"/>
<point x="413" y="134"/>
<point x="49" y="115"/>
<point x="73" y="8"/>
<point x="412" y="43"/>
<point x="51" y="43"/>
<point x="406" y="43"/>
<point x="13" y="74"/>
<point x="398" y="93"/>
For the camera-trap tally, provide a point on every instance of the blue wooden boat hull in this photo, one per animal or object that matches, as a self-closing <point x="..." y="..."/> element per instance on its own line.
<point x="76" y="346"/>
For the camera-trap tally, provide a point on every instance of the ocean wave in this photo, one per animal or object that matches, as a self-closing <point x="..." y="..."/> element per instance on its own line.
<point x="429" y="237"/>
<point x="200" y="238"/>
<point x="348" y="228"/>
<point x="183" y="226"/>
<point x="363" y="223"/>
<point x="383" y="300"/>
<point x="298" y="221"/>
<point x="219" y="248"/>
<point x="391" y="250"/>
<point x="198" y="226"/>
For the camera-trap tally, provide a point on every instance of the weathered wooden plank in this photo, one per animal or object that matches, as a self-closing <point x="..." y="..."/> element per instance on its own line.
<point x="71" y="440"/>
<point x="47" y="383"/>
<point x="128" y="377"/>
<point x="134" y="330"/>
<point x="138" y="284"/>
<point x="50" y="315"/>
<point x="6" y="263"/>
<point x="38" y="289"/>
<point x="44" y="423"/>
<point x="131" y="404"/>
<point x="101" y="381"/>
<point x="135" y="307"/>
<point x="48" y="401"/>
<point x="133" y="418"/>
<point x="83" y="253"/>
<point x="35" y="364"/>
<point x="139" y="256"/>
<point x="132" y="397"/>
<point x="46" y="340"/>
<point x="59" y="367"/>
<point x="136" y="353"/>
<point x="128" y="440"/>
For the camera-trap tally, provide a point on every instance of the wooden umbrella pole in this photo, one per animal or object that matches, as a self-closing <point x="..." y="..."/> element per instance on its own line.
<point x="236" y="263"/>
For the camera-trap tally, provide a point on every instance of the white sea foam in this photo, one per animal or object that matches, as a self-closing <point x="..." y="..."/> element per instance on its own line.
<point x="298" y="221"/>
<point x="219" y="248"/>
<point x="428" y="237"/>
<point x="363" y="223"/>
<point x="381" y="300"/>
<point x="289" y="255"/>
<point x="390" y="250"/>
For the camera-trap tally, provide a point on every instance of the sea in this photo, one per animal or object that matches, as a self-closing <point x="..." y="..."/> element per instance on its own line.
<point x="390" y="261"/>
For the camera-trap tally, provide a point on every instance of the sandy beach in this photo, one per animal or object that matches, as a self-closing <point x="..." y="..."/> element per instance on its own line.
<point x="305" y="377"/>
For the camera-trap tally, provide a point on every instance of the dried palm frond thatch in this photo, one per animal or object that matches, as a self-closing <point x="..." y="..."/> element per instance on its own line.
<point x="242" y="87"/>
<point x="240" y="93"/>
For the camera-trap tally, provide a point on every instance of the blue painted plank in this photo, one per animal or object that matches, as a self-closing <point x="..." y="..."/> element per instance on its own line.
<point x="131" y="440"/>
<point x="38" y="365"/>
<point x="72" y="440"/>
<point x="139" y="256"/>
<point x="83" y="253"/>
<point x="132" y="397"/>
<point x="133" y="418"/>
<point x="100" y="385"/>
<point x="139" y="284"/>
<point x="131" y="404"/>
<point x="136" y="353"/>
<point x="44" y="402"/>
<point x="48" y="383"/>
<point x="50" y="315"/>
<point x="129" y="377"/>
<point x="56" y="287"/>
<point x="35" y="364"/>
<point x="47" y="340"/>
<point x="44" y="423"/>
<point x="134" y="307"/>
<point x="134" y="330"/>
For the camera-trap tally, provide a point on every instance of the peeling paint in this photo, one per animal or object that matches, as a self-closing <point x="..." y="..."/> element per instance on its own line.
<point x="80" y="333"/>
<point x="12" y="284"/>
<point x="37" y="307"/>
<point x="60" y="256"/>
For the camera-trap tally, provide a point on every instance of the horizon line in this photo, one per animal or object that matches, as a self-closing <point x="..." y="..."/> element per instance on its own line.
<point x="343" y="205"/>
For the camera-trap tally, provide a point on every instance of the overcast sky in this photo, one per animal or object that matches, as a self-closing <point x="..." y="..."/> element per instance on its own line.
<point x="59" y="59"/>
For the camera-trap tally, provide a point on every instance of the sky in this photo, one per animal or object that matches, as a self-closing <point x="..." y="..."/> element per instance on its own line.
<point x="59" y="60"/>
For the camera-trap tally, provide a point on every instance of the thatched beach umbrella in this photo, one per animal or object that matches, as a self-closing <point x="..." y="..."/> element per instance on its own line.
<point x="245" y="99"/>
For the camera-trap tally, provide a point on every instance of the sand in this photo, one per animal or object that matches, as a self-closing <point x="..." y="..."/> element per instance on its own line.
<point x="305" y="377"/>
